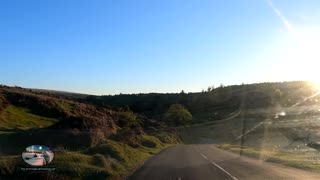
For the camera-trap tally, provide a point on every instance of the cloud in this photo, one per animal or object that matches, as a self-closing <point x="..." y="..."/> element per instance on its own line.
<point x="284" y="20"/>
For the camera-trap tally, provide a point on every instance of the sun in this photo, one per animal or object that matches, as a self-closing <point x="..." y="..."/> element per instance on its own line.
<point x="301" y="54"/>
<point x="315" y="85"/>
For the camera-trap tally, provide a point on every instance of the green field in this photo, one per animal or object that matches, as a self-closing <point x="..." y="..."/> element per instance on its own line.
<point x="13" y="117"/>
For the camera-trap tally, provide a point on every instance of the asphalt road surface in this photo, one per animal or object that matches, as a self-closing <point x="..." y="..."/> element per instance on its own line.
<point x="192" y="162"/>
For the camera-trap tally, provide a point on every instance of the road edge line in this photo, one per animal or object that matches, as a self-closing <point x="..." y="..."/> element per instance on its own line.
<point x="234" y="178"/>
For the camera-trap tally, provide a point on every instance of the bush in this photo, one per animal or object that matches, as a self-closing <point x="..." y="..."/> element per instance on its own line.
<point x="149" y="144"/>
<point x="167" y="138"/>
<point x="107" y="150"/>
<point x="125" y="135"/>
<point x="126" y="119"/>
<point x="177" y="115"/>
<point x="149" y="141"/>
<point x="99" y="160"/>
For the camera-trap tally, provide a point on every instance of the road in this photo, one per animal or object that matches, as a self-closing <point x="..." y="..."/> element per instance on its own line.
<point x="192" y="162"/>
<point x="213" y="122"/>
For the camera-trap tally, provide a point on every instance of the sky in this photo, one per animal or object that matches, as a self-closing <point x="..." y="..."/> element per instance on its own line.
<point x="123" y="46"/>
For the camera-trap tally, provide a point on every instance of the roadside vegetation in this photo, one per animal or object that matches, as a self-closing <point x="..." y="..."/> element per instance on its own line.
<point x="88" y="141"/>
<point x="177" y="115"/>
<point x="297" y="159"/>
<point x="110" y="136"/>
<point x="111" y="159"/>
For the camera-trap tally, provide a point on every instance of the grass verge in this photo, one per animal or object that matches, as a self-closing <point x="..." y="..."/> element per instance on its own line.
<point x="109" y="160"/>
<point x="297" y="160"/>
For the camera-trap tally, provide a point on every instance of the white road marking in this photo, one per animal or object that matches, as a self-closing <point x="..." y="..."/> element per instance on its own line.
<point x="219" y="167"/>
<point x="249" y="131"/>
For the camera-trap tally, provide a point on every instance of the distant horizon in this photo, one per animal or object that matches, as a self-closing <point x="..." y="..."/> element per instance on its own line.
<point x="120" y="93"/>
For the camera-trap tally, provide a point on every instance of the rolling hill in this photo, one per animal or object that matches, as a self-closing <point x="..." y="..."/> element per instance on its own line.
<point x="77" y="132"/>
<point x="110" y="136"/>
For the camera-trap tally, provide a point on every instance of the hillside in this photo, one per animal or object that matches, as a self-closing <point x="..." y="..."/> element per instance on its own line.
<point x="286" y="132"/>
<point x="110" y="136"/>
<point x="211" y="104"/>
<point x="77" y="132"/>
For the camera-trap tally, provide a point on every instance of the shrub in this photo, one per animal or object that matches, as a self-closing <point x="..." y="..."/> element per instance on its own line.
<point x="126" y="119"/>
<point x="149" y="143"/>
<point x="107" y="150"/>
<point x="166" y="138"/>
<point x="99" y="160"/>
<point x="177" y="115"/>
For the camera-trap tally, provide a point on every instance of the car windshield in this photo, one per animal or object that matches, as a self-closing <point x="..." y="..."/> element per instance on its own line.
<point x="160" y="90"/>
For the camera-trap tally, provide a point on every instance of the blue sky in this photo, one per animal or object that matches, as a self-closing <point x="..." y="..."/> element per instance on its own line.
<point x="117" y="46"/>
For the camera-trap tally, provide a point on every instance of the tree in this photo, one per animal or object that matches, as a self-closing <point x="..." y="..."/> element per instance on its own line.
<point x="277" y="94"/>
<point x="177" y="114"/>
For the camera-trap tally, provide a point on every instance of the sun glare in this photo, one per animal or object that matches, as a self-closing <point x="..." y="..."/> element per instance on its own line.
<point x="300" y="55"/>
<point x="315" y="85"/>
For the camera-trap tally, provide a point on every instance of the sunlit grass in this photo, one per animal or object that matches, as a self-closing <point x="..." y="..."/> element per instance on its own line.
<point x="13" y="117"/>
<point x="286" y="158"/>
<point x="109" y="160"/>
